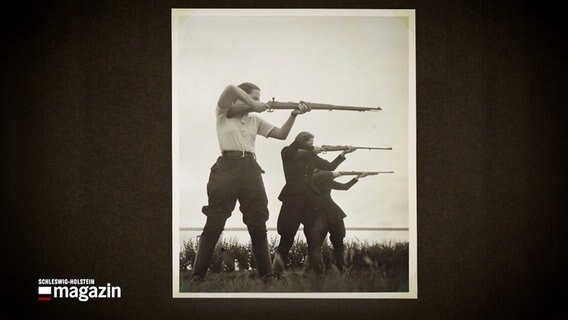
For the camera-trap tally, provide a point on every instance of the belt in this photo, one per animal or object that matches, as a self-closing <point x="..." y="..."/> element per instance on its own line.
<point x="238" y="154"/>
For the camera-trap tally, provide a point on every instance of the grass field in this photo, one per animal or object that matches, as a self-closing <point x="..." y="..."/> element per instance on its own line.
<point x="375" y="267"/>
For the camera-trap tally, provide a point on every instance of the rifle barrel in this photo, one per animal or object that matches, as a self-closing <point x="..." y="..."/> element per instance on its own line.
<point x="353" y="173"/>
<point x="374" y="148"/>
<point x="341" y="148"/>
<point x="276" y="105"/>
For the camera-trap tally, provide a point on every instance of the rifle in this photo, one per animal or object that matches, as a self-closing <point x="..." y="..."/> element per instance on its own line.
<point x="356" y="173"/>
<point x="276" y="105"/>
<point x="325" y="148"/>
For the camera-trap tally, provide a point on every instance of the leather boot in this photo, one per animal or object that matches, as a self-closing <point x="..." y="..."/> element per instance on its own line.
<point x="339" y="259"/>
<point x="315" y="261"/>
<point x="203" y="257"/>
<point x="279" y="263"/>
<point x="262" y="258"/>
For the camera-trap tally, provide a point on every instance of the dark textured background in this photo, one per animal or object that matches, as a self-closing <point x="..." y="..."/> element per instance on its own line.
<point x="86" y="120"/>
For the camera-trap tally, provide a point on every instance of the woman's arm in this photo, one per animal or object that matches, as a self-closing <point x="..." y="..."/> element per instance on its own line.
<point x="282" y="132"/>
<point x="232" y="93"/>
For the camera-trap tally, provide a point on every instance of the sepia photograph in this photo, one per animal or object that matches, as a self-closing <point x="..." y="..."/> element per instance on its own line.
<point x="294" y="153"/>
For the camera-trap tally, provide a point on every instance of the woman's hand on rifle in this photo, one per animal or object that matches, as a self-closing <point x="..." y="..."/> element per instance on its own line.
<point x="302" y="108"/>
<point x="349" y="150"/>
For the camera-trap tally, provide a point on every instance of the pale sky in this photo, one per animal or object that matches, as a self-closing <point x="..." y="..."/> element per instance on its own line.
<point x="349" y="60"/>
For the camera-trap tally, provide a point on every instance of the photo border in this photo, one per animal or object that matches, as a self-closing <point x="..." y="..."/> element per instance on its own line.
<point x="176" y="15"/>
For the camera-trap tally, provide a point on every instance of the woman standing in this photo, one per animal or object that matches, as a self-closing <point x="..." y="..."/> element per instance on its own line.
<point x="237" y="176"/>
<point x="301" y="200"/>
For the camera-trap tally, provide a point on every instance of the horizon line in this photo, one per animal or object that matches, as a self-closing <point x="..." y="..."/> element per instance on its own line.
<point x="301" y="228"/>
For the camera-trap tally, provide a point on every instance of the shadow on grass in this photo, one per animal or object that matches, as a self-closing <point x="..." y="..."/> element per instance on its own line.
<point x="296" y="281"/>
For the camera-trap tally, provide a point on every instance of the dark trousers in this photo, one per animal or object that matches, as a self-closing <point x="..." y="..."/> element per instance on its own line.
<point x="336" y="235"/>
<point x="302" y="209"/>
<point x="233" y="179"/>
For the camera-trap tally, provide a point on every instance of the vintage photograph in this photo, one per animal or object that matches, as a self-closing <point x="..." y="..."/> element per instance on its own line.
<point x="294" y="153"/>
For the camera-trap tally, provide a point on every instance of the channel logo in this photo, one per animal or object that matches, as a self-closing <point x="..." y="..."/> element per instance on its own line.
<point x="82" y="290"/>
<point x="44" y="293"/>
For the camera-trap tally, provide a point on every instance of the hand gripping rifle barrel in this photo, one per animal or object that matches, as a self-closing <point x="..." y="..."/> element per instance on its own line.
<point x="343" y="148"/>
<point x="276" y="105"/>
<point x="356" y="173"/>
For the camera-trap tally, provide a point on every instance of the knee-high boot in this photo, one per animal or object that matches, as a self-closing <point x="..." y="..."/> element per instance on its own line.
<point x="262" y="258"/>
<point x="279" y="263"/>
<point x="315" y="261"/>
<point x="203" y="257"/>
<point x="339" y="257"/>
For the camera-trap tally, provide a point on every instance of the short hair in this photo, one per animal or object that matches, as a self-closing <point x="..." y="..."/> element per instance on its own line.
<point x="304" y="136"/>
<point x="248" y="87"/>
